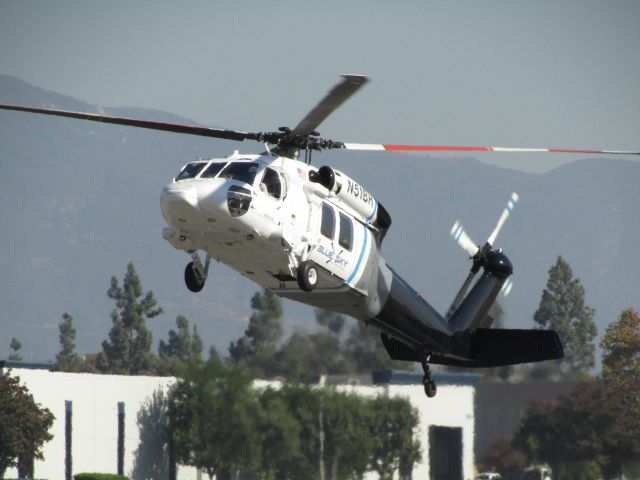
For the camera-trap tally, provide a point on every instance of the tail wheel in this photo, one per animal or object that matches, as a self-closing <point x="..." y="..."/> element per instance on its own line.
<point x="192" y="278"/>
<point x="430" y="388"/>
<point x="307" y="276"/>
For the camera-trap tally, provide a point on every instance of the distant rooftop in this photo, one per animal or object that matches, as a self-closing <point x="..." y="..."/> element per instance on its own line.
<point x="379" y="377"/>
<point x="27" y="365"/>
<point x="403" y="377"/>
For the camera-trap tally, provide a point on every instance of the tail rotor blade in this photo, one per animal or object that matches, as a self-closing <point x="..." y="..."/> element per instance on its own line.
<point x="503" y="217"/>
<point x="506" y="287"/>
<point x="464" y="240"/>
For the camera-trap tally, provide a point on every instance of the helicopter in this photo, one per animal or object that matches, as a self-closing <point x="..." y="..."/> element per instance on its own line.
<point x="315" y="235"/>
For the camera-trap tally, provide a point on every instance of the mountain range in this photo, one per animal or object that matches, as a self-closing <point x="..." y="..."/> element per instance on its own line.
<point x="80" y="200"/>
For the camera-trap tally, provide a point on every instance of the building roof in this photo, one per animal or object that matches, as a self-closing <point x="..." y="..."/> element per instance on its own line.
<point x="26" y="365"/>
<point x="403" y="377"/>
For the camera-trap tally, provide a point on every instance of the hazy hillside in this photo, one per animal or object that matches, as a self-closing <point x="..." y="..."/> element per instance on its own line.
<point x="80" y="200"/>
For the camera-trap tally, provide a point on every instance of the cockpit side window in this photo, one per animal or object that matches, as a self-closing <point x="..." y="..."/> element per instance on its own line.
<point x="271" y="183"/>
<point x="190" y="170"/>
<point x="241" y="171"/>
<point x="328" y="223"/>
<point x="213" y="170"/>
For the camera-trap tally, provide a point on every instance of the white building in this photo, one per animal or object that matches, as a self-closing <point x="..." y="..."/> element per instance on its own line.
<point x="446" y="430"/>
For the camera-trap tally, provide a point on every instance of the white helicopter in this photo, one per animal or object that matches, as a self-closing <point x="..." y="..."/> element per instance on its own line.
<point x="314" y="235"/>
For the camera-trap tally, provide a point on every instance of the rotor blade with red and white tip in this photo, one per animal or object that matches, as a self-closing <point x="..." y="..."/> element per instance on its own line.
<point x="464" y="240"/>
<point x="451" y="148"/>
<point x="503" y="217"/>
<point x="132" y="122"/>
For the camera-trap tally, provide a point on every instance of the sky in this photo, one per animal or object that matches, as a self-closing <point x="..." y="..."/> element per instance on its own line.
<point x="554" y="73"/>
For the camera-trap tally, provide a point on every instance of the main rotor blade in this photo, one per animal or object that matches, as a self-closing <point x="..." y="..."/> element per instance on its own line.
<point x="451" y="148"/>
<point x="132" y="122"/>
<point x="336" y="97"/>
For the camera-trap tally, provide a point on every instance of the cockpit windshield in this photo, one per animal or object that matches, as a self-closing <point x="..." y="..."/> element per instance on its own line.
<point x="213" y="170"/>
<point x="241" y="171"/>
<point x="190" y="170"/>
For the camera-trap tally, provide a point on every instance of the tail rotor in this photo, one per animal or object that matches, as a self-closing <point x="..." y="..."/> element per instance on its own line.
<point x="479" y="253"/>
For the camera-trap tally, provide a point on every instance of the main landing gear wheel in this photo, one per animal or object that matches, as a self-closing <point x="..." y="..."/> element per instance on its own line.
<point x="307" y="276"/>
<point x="193" y="279"/>
<point x="430" y="387"/>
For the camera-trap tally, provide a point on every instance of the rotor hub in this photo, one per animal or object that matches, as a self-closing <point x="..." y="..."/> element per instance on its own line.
<point x="498" y="264"/>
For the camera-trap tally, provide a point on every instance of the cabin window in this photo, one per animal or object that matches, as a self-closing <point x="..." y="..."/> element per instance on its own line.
<point x="241" y="171"/>
<point x="213" y="170"/>
<point x="190" y="170"/>
<point x="271" y="183"/>
<point x="345" y="238"/>
<point x="328" y="224"/>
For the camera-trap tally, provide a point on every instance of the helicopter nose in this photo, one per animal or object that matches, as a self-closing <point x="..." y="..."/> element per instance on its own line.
<point x="178" y="202"/>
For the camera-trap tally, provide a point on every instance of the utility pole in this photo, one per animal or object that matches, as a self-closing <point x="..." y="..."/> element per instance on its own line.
<point x="120" y="438"/>
<point x="68" y="429"/>
<point x="321" y="425"/>
<point x="321" y="384"/>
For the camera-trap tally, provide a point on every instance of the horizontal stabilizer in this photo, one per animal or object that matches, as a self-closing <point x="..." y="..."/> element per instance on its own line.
<point x="398" y="350"/>
<point x="487" y="348"/>
<point x="498" y="347"/>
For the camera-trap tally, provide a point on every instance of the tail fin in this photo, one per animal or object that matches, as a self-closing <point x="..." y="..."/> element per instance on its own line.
<point x="472" y="312"/>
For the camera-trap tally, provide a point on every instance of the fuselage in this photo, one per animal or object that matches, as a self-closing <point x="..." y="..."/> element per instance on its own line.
<point x="262" y="216"/>
<point x="314" y="236"/>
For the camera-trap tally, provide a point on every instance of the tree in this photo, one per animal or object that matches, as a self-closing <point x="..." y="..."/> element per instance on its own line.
<point x="621" y="394"/>
<point x="332" y="321"/>
<point x="182" y="347"/>
<point x="128" y="349"/>
<point x="304" y="405"/>
<point x="15" y="345"/>
<point x="621" y="351"/>
<point x="214" y="419"/>
<point x="393" y="425"/>
<point x="256" y="349"/>
<point x="67" y="360"/>
<point x="562" y="309"/>
<point x="366" y="353"/>
<point x="560" y="434"/>
<point x="304" y="357"/>
<point x="280" y="435"/>
<point x="24" y="426"/>
<point x="503" y="458"/>
<point x="349" y="444"/>
<point x="588" y="434"/>
<point x="151" y="459"/>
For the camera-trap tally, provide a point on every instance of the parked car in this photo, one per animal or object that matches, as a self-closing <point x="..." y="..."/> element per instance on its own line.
<point x="488" y="476"/>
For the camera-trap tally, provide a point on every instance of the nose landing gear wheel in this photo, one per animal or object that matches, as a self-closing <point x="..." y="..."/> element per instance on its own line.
<point x="307" y="276"/>
<point x="192" y="278"/>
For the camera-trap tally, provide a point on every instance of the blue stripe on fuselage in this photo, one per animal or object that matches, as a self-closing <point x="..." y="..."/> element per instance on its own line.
<point x="360" y="257"/>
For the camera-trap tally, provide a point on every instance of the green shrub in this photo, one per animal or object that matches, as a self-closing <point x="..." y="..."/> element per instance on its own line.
<point x="99" y="476"/>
